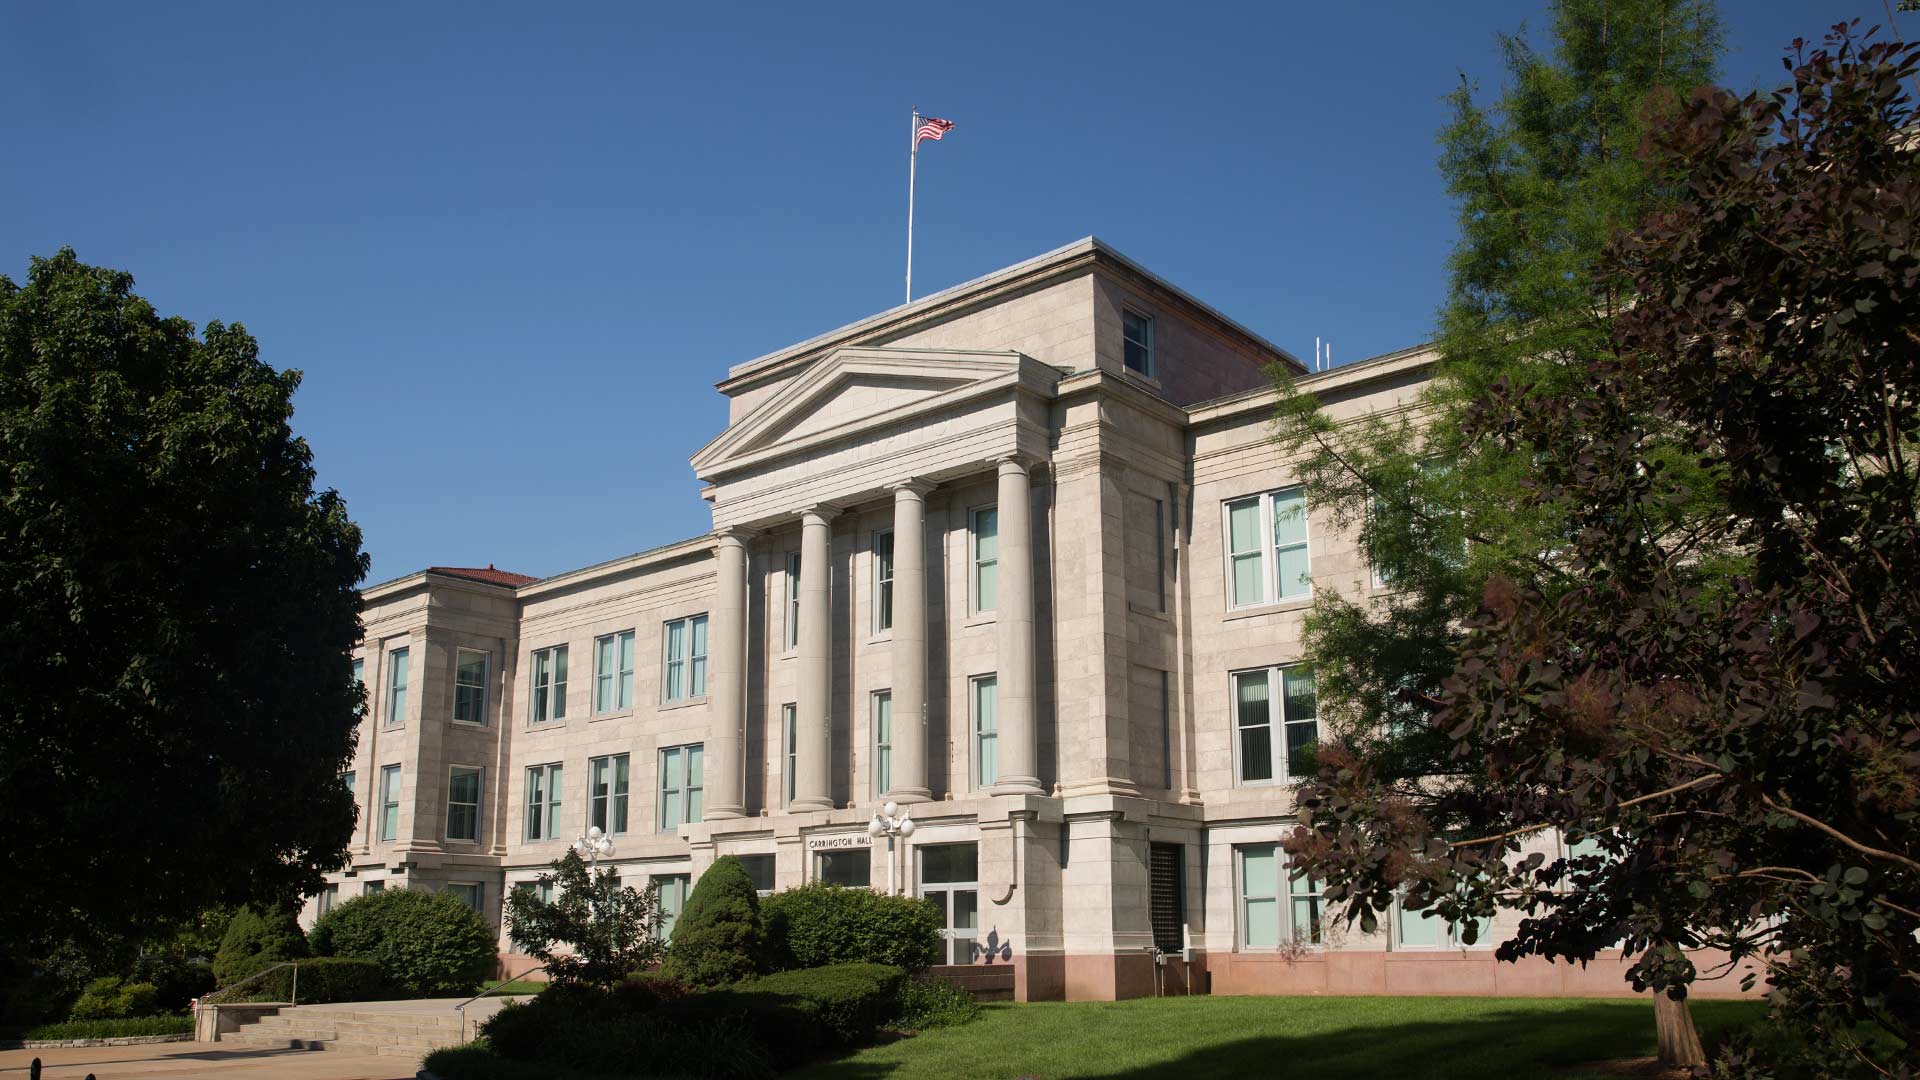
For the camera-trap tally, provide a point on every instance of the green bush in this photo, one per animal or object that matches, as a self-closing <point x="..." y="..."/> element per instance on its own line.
<point x="627" y="1031"/>
<point x="112" y="1029"/>
<point x="820" y="924"/>
<point x="475" y="1061"/>
<point x="112" y="998"/>
<point x="256" y="940"/>
<point x="177" y="979"/>
<point x="428" y="944"/>
<point x="934" y="1003"/>
<point x="849" y="1001"/>
<point x="325" y="979"/>
<point x="716" y="940"/>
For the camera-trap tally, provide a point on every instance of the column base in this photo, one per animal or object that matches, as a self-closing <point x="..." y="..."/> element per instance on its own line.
<point x="910" y="796"/>
<point x="723" y="813"/>
<point x="811" y="802"/>
<point x="1019" y="785"/>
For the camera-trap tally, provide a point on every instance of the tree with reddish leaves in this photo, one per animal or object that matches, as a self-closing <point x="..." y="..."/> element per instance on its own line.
<point x="1725" y="705"/>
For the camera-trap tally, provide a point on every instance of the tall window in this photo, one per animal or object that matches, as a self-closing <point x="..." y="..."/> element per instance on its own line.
<point x="883" y="580"/>
<point x="1264" y="885"/>
<point x="882" y="742"/>
<point x="1136" y="331"/>
<point x="686" y="646"/>
<point x="673" y="889"/>
<point x="550" y="684"/>
<point x="1275" y="733"/>
<point x="986" y="731"/>
<point x="543" y="802"/>
<point x="613" y="672"/>
<point x="789" y="752"/>
<point x="679" y="786"/>
<point x="470" y="687"/>
<point x="607" y="793"/>
<point x="985" y="540"/>
<point x="463" y="802"/>
<point x="360" y="682"/>
<point x="1267" y="548"/>
<point x="349" y="781"/>
<point x="397" y="662"/>
<point x="329" y="895"/>
<point x="389" y="802"/>
<point x="793" y="600"/>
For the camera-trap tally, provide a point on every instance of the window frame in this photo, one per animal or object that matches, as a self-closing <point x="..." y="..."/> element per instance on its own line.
<point x="692" y="786"/>
<point x="479" y="800"/>
<point x="683" y="886"/>
<point x="1279" y="725"/>
<point x="554" y="687"/>
<point x="790" y="640"/>
<point x="974" y="562"/>
<point x="789" y="752"/>
<point x="882" y="620"/>
<point x="460" y="655"/>
<point x="1145" y="342"/>
<point x="857" y="856"/>
<point x="613" y="687"/>
<point x="326" y="898"/>
<point x="1447" y="939"/>
<point x="615" y="807"/>
<point x="689" y="682"/>
<point x="399" y="682"/>
<point x="547" y="799"/>
<point x="1267" y="548"/>
<point x="390" y="779"/>
<point x="878" y="700"/>
<point x="975" y="736"/>
<point x="1285" y="896"/>
<point x="479" y="893"/>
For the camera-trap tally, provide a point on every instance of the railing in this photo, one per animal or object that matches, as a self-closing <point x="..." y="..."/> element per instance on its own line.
<point x="218" y="996"/>
<point x="462" y="1007"/>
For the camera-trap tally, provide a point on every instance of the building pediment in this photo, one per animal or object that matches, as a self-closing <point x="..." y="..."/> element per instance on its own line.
<point x="854" y="389"/>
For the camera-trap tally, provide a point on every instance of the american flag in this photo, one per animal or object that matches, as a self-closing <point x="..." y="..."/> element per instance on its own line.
<point x="931" y="127"/>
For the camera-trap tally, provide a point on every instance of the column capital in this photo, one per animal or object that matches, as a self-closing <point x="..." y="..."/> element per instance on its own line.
<point x="915" y="487"/>
<point x="736" y="534"/>
<point x="820" y="512"/>
<point x="1015" y="461"/>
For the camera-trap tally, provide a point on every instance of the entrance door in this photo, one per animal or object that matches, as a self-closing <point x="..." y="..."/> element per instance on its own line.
<point x="950" y="877"/>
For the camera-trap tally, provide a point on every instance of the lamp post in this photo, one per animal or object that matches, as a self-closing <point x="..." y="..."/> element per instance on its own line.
<point x="893" y="824"/>
<point x="593" y="847"/>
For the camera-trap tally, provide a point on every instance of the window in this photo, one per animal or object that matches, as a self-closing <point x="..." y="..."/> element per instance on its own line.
<point x="1160" y="554"/>
<point x="686" y="645"/>
<point x="329" y="895"/>
<point x="1267" y="548"/>
<point x="1261" y="892"/>
<point x="985" y="539"/>
<point x="882" y="742"/>
<point x="1305" y="892"/>
<point x="360" y="683"/>
<point x="986" y="731"/>
<point x="679" y="786"/>
<point x="389" y="802"/>
<point x="1275" y="736"/>
<point x="790" y="754"/>
<point x="397" y="687"/>
<point x="350" y="782"/>
<point x="463" y="802"/>
<point x="950" y="878"/>
<point x="613" y="672"/>
<point x="793" y="600"/>
<point x="1425" y="930"/>
<point x="467" y="892"/>
<point x="759" y="871"/>
<point x="543" y="802"/>
<point x="672" y="889"/>
<point x="852" y="868"/>
<point x="550" y="684"/>
<point x="470" y="687"/>
<point x="373" y="887"/>
<point x="1136" y="331"/>
<point x="882" y="580"/>
<point x="607" y="793"/>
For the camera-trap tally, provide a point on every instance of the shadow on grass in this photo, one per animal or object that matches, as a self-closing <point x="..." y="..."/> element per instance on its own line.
<point x="1502" y="1043"/>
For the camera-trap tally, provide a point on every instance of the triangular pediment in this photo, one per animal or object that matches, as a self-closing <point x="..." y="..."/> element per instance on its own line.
<point x="853" y="388"/>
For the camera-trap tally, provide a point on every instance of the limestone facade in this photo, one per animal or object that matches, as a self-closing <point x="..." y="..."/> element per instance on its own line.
<point x="968" y="557"/>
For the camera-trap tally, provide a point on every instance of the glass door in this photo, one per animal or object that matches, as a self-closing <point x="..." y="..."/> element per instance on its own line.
<point x="949" y="875"/>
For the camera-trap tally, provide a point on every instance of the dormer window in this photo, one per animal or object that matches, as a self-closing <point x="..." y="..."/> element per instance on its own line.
<point x="1137" y="329"/>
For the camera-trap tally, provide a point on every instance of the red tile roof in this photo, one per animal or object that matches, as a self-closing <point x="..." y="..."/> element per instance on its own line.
<point x="488" y="575"/>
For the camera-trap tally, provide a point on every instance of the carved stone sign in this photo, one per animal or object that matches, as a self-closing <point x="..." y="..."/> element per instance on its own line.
<point x="839" y="842"/>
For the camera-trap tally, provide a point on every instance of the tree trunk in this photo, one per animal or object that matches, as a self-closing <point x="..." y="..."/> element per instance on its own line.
<point x="1679" y="1039"/>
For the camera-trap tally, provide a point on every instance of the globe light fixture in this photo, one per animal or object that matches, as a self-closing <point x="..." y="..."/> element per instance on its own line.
<point x="893" y="824"/>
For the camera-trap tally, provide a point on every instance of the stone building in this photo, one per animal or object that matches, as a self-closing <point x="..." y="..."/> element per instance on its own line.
<point x="1020" y="556"/>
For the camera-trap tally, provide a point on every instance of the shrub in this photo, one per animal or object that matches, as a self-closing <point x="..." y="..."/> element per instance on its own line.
<point x="428" y="944"/>
<point x="819" y="924"/>
<point x="716" y="940"/>
<point x="176" y="979"/>
<point x="325" y="979"/>
<point x="112" y="998"/>
<point x="627" y="1031"/>
<point x="595" y="930"/>
<point x="112" y="1029"/>
<point x="255" y="940"/>
<point x="934" y="1003"/>
<point x="849" y="1001"/>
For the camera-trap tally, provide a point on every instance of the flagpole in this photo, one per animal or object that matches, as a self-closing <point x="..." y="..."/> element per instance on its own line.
<point x="913" y="161"/>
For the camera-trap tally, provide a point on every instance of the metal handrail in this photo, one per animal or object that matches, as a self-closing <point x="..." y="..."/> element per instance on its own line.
<point x="213" y="998"/>
<point x="462" y="1007"/>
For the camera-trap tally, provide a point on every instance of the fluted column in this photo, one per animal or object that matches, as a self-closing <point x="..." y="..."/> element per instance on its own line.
<point x="1019" y="745"/>
<point x="814" y="647"/>
<point x="727" y="679"/>
<point x="910" y="643"/>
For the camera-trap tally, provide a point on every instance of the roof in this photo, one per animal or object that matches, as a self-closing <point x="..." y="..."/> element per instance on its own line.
<point x="487" y="574"/>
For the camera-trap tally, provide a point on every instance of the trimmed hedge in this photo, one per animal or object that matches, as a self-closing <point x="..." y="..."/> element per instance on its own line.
<point x="820" y="924"/>
<point x="428" y="944"/>
<point x="716" y="940"/>
<point x="112" y="1029"/>
<point x="578" y="1030"/>
<point x="325" y="979"/>
<point x="851" y="1001"/>
<point x="257" y="940"/>
<point x="112" y="998"/>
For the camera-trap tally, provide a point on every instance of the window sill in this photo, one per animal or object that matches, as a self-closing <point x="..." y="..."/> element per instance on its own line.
<point x="468" y="724"/>
<point x="683" y="703"/>
<point x="1151" y="613"/>
<point x="881" y="638"/>
<point x="612" y="714"/>
<point x="461" y="843"/>
<point x="549" y="725"/>
<point x="981" y="618"/>
<point x="1251" y="611"/>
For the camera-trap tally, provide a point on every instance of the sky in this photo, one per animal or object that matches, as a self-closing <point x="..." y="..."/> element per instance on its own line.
<point x="512" y="248"/>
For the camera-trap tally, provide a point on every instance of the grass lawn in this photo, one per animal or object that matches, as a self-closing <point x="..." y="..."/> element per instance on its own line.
<point x="1326" y="1038"/>
<point x="521" y="986"/>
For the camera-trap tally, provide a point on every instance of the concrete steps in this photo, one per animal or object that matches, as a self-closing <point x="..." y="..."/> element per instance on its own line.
<point x="406" y="1029"/>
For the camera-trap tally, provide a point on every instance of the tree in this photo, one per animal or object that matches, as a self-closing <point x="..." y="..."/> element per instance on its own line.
<point x="717" y="939"/>
<point x="595" y="931"/>
<point x="257" y="939"/>
<point x="1741" y="752"/>
<point x="177" y="609"/>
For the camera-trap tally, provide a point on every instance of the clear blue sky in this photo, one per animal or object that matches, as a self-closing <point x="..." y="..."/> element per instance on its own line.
<point x="513" y="246"/>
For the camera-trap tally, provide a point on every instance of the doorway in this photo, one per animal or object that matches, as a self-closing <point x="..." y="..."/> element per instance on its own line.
<point x="949" y="875"/>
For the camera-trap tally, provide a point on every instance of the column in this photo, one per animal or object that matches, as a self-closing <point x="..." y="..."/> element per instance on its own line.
<point x="812" y="743"/>
<point x="727" y="679"/>
<point x="1019" y="748"/>
<point x="910" y="643"/>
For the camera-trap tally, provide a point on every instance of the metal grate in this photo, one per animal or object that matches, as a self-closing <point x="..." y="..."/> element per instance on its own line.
<point x="1168" y="900"/>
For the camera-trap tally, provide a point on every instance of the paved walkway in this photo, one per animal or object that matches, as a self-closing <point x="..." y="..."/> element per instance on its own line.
<point x="184" y="1060"/>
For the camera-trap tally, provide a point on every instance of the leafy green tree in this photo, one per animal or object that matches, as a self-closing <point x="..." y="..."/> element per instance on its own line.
<point x="717" y="939"/>
<point x="427" y="944"/>
<point x="1741" y="755"/>
<point x="258" y="939"/>
<point x="177" y="609"/>
<point x="595" y="930"/>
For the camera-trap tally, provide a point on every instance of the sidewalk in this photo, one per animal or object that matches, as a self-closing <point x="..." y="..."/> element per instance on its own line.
<point x="185" y="1060"/>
